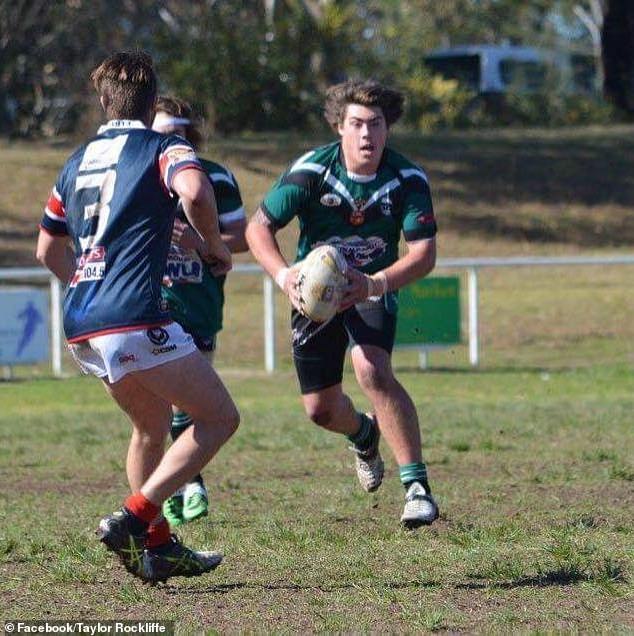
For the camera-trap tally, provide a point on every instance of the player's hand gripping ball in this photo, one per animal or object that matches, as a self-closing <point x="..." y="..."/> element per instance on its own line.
<point x="320" y="282"/>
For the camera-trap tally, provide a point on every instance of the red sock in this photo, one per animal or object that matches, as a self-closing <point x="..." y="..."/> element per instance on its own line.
<point x="141" y="507"/>
<point x="157" y="534"/>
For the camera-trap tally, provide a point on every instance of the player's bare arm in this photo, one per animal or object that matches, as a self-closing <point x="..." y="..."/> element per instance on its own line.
<point x="233" y="235"/>
<point x="199" y="205"/>
<point x="419" y="260"/>
<point x="55" y="253"/>
<point x="260" y="235"/>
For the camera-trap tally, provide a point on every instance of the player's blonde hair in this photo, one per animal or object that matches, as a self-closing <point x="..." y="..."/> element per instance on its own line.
<point x="363" y="92"/>
<point x="128" y="82"/>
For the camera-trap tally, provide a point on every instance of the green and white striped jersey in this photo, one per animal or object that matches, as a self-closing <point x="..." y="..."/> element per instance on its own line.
<point x="363" y="216"/>
<point x="195" y="297"/>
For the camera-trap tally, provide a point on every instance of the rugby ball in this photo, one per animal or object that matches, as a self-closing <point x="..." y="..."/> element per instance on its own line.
<point x="320" y="282"/>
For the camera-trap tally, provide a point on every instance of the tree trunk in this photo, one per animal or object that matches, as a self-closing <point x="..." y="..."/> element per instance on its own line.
<point x="618" y="54"/>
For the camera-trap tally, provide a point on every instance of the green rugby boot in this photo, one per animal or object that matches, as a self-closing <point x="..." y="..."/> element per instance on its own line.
<point x="173" y="510"/>
<point x="195" y="501"/>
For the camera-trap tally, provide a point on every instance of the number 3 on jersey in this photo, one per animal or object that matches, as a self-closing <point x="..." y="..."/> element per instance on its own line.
<point x="97" y="172"/>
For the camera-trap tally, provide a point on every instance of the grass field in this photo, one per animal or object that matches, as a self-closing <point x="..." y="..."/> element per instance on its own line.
<point x="533" y="472"/>
<point x="531" y="456"/>
<point x="497" y="193"/>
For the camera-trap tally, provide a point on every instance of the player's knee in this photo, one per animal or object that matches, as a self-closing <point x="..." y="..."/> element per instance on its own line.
<point x="319" y="414"/>
<point x="230" y="419"/>
<point x="222" y="421"/>
<point x="374" y="378"/>
<point x="233" y="420"/>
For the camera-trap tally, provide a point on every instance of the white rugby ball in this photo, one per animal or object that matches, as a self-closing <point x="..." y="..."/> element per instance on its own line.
<point x="320" y="281"/>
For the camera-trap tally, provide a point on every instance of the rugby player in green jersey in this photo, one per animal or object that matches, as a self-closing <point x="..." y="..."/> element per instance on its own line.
<point x="194" y="295"/>
<point x="360" y="196"/>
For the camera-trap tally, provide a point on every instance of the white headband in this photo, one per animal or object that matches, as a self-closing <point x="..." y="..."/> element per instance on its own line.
<point x="163" y="121"/>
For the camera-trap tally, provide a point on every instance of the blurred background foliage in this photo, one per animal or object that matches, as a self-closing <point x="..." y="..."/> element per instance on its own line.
<point x="263" y="65"/>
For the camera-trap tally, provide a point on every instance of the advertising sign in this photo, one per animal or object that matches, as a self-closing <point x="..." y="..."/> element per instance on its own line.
<point x="24" y="318"/>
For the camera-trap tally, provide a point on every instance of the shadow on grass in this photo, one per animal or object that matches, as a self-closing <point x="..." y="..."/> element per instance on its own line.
<point x="588" y="231"/>
<point x="553" y="578"/>
<point x="570" y="167"/>
<point x="224" y="588"/>
<point x="489" y="370"/>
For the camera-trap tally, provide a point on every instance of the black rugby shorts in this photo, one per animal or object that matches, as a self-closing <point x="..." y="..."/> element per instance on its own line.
<point x="319" y="357"/>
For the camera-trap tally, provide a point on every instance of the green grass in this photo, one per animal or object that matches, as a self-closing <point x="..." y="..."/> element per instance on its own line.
<point x="534" y="480"/>
<point x="496" y="193"/>
<point x="530" y="455"/>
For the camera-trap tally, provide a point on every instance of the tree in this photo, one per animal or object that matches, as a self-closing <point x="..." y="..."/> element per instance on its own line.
<point x="618" y="54"/>
<point x="48" y="49"/>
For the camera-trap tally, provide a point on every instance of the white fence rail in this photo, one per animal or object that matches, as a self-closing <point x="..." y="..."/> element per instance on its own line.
<point x="35" y="274"/>
<point x="471" y="265"/>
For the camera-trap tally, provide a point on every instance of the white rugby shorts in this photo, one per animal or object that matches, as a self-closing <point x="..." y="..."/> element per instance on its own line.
<point x="116" y="354"/>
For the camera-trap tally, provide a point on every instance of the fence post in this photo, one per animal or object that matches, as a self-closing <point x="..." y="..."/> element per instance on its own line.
<point x="473" y="317"/>
<point x="269" y="324"/>
<point x="56" y="326"/>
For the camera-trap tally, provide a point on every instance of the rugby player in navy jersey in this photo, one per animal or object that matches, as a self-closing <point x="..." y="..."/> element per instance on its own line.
<point x="194" y="295"/>
<point x="105" y="233"/>
<point x="360" y="196"/>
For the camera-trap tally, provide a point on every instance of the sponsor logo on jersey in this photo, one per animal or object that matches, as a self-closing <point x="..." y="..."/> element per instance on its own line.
<point x="126" y="357"/>
<point x="330" y="200"/>
<point x="184" y="267"/>
<point x="158" y="336"/>
<point x="386" y="206"/>
<point x="91" y="266"/>
<point x="176" y="154"/>
<point x="358" y="251"/>
<point x="158" y="350"/>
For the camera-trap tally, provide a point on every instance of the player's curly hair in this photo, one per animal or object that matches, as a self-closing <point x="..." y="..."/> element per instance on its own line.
<point x="180" y="108"/>
<point x="128" y="82"/>
<point x="366" y="93"/>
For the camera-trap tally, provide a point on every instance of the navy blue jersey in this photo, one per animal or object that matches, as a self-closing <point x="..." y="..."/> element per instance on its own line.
<point x="113" y="197"/>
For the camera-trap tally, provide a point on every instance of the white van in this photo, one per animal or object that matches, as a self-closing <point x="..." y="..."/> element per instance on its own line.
<point x="487" y="68"/>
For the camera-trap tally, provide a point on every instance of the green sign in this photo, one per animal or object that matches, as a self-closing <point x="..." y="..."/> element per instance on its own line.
<point x="429" y="312"/>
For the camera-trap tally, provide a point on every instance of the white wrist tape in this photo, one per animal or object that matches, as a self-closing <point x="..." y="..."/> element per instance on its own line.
<point x="280" y="277"/>
<point x="377" y="285"/>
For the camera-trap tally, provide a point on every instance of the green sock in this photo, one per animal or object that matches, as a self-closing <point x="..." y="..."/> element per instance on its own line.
<point x="180" y="422"/>
<point x="409" y="473"/>
<point x="365" y="436"/>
